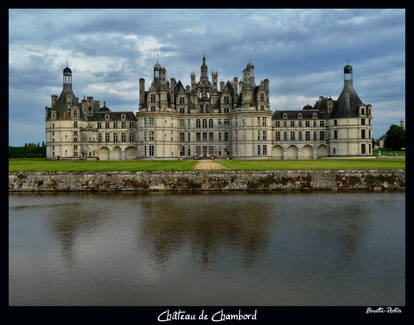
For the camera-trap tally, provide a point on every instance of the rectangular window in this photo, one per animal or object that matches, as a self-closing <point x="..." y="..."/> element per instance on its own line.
<point x="123" y="137"/>
<point x="300" y="136"/>
<point x="226" y="136"/>
<point x="198" y="137"/>
<point x="75" y="124"/>
<point x="307" y="136"/>
<point x="182" y="124"/>
<point x="152" y="98"/>
<point x="321" y="135"/>
<point x="99" y="137"/>
<point x="285" y="124"/>
<point x="258" y="120"/>
<point x="211" y="136"/>
<point x="115" y="137"/>
<point x="369" y="148"/>
<point x="145" y="122"/>
<point x="182" y="151"/>
<point x="145" y="136"/>
<point x="307" y="124"/>
<point x="278" y="124"/>
<point x="210" y="123"/>
<point x="131" y="125"/>
<point x="181" y="137"/>
<point x="75" y="147"/>
<point x="198" y="151"/>
<point x="258" y="150"/>
<point x="115" y="125"/>
<point x="322" y="124"/>
<point x="369" y="134"/>
<point x="198" y="123"/>
<point x="106" y="125"/>
<point x="335" y="134"/>
<point x="264" y="150"/>
<point x="106" y="137"/>
<point x="152" y="108"/>
<point x="335" y="122"/>
<point x="363" y="148"/>
<point x="151" y="151"/>
<point x="292" y="135"/>
<point x="277" y="136"/>
<point x="285" y="136"/>
<point x="123" y="125"/>
<point x="189" y="123"/>
<point x="182" y="110"/>
<point x="264" y="121"/>
<point x="151" y="122"/>
<point x="362" y="134"/>
<point x="189" y="151"/>
<point x="75" y="139"/>
<point x="314" y="124"/>
<point x="204" y="123"/>
<point x="219" y="136"/>
<point x="362" y="121"/>
<point x="75" y="113"/>
<point x="99" y="125"/>
<point x="131" y="137"/>
<point x="75" y="133"/>
<point x="314" y="135"/>
<point x="292" y="124"/>
<point x="204" y="136"/>
<point x="188" y="137"/>
<point x="300" y="124"/>
<point x="258" y="135"/>
<point x="211" y="151"/>
<point x="181" y="100"/>
<point x="151" y="135"/>
<point x="264" y="135"/>
<point x="226" y="122"/>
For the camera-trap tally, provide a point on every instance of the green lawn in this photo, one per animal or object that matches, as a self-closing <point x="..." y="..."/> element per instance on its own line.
<point x="314" y="164"/>
<point x="385" y="152"/>
<point x="31" y="165"/>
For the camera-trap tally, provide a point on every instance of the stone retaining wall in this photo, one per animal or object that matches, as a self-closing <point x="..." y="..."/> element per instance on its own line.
<point x="280" y="180"/>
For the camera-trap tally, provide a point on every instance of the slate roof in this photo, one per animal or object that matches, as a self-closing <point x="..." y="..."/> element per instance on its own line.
<point x="114" y="116"/>
<point x="341" y="107"/>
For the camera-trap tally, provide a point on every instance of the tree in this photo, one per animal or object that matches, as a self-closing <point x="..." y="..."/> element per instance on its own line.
<point x="395" y="137"/>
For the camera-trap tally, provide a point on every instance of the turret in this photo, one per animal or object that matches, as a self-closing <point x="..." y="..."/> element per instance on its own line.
<point x="67" y="79"/>
<point x="348" y="78"/>
<point x="214" y="77"/>
<point x="204" y="70"/>
<point x="141" y="91"/>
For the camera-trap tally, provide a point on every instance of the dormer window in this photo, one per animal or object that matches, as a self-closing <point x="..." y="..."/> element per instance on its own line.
<point x="181" y="100"/>
<point x="314" y="115"/>
<point x="123" y="116"/>
<point x="300" y="116"/>
<point x="262" y="97"/>
<point x="284" y="115"/>
<point x="106" y="116"/>
<point x="362" y="111"/>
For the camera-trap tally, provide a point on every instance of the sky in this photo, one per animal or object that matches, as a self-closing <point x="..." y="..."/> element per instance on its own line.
<point x="301" y="52"/>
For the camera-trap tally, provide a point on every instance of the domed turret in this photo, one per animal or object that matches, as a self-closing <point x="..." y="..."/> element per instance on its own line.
<point x="67" y="78"/>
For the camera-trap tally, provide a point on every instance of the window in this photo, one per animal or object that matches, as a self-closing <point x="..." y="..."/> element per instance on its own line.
<point x="75" y="154"/>
<point x="151" y="135"/>
<point x="182" y="150"/>
<point x="211" y="136"/>
<point x="300" y="124"/>
<point x="115" y="125"/>
<point x="264" y="121"/>
<point x="362" y="134"/>
<point x="115" y="137"/>
<point x="211" y="150"/>
<point x="131" y="137"/>
<point x="188" y="137"/>
<point x="75" y="147"/>
<point x="226" y="99"/>
<point x="369" y="134"/>
<point x="362" y="111"/>
<point x="300" y="136"/>
<point x="201" y="109"/>
<point x="258" y="150"/>
<point x="284" y="115"/>
<point x="145" y="150"/>
<point x="278" y="136"/>
<point x="299" y="115"/>
<point x="75" y="124"/>
<point x="99" y="125"/>
<point x="307" y="124"/>
<point x="198" y="123"/>
<point x="75" y="139"/>
<point x="258" y="120"/>
<point x="264" y="135"/>
<point x="123" y="125"/>
<point x="335" y="134"/>
<point x="292" y="135"/>
<point x="210" y="123"/>
<point x="335" y="122"/>
<point x="182" y="124"/>
<point x="369" y="148"/>
<point x="75" y="113"/>
<point x="307" y="136"/>
<point x="226" y="136"/>
<point x="314" y="135"/>
<point x="292" y="124"/>
<point x="152" y="98"/>
<point x="151" y="151"/>
<point x="314" y="124"/>
<point x="322" y="124"/>
<point x="53" y="125"/>
<point x="219" y="136"/>
<point x="123" y="137"/>
<point x="262" y="107"/>
<point x="285" y="124"/>
<point x="362" y="121"/>
<point x="75" y="133"/>
<point x="321" y="135"/>
<point x="189" y="151"/>
<point x="198" y="137"/>
<point x="226" y="122"/>
<point x="204" y="136"/>
<point x="106" y="137"/>
<point x="106" y="125"/>
<point x="198" y="150"/>
<point x="226" y="109"/>
<point x="285" y="136"/>
<point x="262" y="97"/>
<point x="277" y="124"/>
<point x="264" y="150"/>
<point x="181" y="100"/>
<point x="152" y="108"/>
<point x="131" y="125"/>
<point x="106" y="116"/>
<point x="258" y="135"/>
<point x="151" y="122"/>
<point x="145" y="136"/>
<point x="182" y="137"/>
<point x="363" y="148"/>
<point x="145" y="122"/>
<point x="182" y="110"/>
<point x="207" y="109"/>
<point x="99" y="137"/>
<point x="204" y="123"/>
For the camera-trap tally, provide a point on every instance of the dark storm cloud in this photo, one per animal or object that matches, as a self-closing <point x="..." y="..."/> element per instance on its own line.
<point x="301" y="52"/>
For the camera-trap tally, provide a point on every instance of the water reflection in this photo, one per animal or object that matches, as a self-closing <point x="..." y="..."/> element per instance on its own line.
<point x="205" y="224"/>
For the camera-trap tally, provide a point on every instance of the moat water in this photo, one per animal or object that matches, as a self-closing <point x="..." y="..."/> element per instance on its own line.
<point x="276" y="249"/>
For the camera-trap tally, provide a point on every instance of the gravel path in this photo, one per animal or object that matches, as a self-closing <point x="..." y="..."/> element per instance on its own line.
<point x="208" y="165"/>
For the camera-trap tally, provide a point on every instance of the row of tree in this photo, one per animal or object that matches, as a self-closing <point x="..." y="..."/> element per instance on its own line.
<point x="30" y="150"/>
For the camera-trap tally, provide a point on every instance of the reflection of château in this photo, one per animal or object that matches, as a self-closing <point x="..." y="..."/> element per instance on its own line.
<point x="205" y="119"/>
